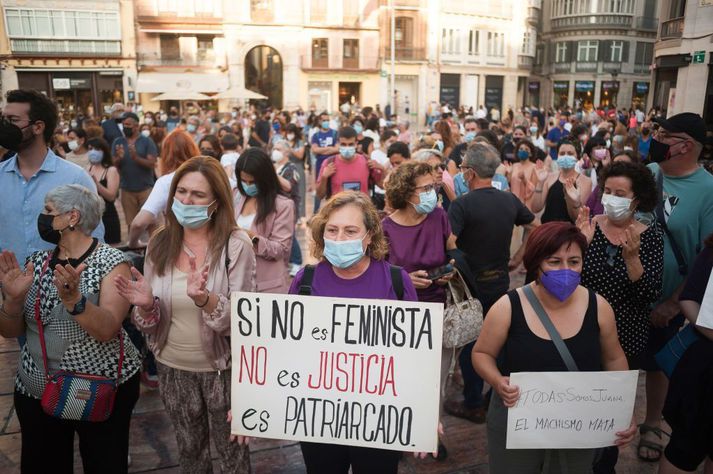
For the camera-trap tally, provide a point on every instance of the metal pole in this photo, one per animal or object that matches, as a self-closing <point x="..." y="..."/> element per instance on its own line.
<point x="392" y="90"/>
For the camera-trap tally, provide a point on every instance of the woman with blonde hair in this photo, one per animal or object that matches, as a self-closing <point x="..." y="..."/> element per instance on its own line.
<point x="182" y="304"/>
<point x="177" y="148"/>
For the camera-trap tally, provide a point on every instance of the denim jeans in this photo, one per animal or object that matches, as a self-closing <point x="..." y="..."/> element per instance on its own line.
<point x="296" y="252"/>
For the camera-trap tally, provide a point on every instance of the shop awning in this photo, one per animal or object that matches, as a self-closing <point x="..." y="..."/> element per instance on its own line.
<point x="159" y="82"/>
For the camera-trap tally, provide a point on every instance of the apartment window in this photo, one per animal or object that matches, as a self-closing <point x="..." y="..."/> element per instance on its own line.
<point x="350" y="57"/>
<point x="320" y="52"/>
<point x="450" y="41"/>
<point x="168" y="6"/>
<point x="539" y="54"/>
<point x="496" y="44"/>
<point x="61" y="24"/>
<point x="561" y="52"/>
<point x="204" y="49"/>
<point x="473" y="46"/>
<point x="617" y="47"/>
<point x="318" y="11"/>
<point x="170" y="48"/>
<point x="528" y="42"/>
<point x="403" y="38"/>
<point x="587" y="51"/>
<point x="261" y="10"/>
<point x="644" y="53"/>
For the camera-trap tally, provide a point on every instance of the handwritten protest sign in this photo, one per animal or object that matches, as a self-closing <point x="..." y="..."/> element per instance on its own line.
<point x="570" y="409"/>
<point x="335" y="370"/>
<point x="705" y="315"/>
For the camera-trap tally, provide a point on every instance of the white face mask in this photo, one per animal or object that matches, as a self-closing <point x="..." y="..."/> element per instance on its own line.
<point x="73" y="144"/>
<point x="276" y="156"/>
<point x="290" y="136"/>
<point x="616" y="207"/>
<point x="146" y="133"/>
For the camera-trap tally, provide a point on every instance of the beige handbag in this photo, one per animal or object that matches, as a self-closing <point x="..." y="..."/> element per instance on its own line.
<point x="463" y="316"/>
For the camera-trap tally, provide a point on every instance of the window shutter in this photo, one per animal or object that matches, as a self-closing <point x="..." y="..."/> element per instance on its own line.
<point x="625" y="52"/>
<point x="571" y="49"/>
<point x="605" y="50"/>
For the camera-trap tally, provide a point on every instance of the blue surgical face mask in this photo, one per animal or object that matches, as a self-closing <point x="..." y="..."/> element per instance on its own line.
<point x="325" y="124"/>
<point x="566" y="162"/>
<point x="347" y="152"/>
<point x="343" y="253"/>
<point x="95" y="156"/>
<point x="523" y="155"/>
<point x="358" y="128"/>
<point x="469" y="136"/>
<point x="250" y="189"/>
<point x="191" y="216"/>
<point x="439" y="145"/>
<point x="429" y="200"/>
<point x="533" y="130"/>
<point x="191" y="128"/>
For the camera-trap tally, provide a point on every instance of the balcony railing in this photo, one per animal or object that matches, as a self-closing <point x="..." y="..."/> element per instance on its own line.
<point x="52" y="47"/>
<point x="647" y="23"/>
<point x="610" y="67"/>
<point x="642" y="68"/>
<point x="597" y="20"/>
<point x="525" y="61"/>
<point x="562" y="67"/>
<point x="154" y="59"/>
<point x="672" y="28"/>
<point x="533" y="15"/>
<point x="336" y="63"/>
<point x="586" y="66"/>
<point x="406" y="54"/>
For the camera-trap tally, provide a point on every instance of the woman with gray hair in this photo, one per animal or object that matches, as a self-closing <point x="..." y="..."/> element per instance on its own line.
<point x="64" y="303"/>
<point x="444" y="182"/>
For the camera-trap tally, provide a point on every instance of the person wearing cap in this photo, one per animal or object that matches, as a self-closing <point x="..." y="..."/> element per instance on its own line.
<point x="686" y="207"/>
<point x="111" y="126"/>
<point x="134" y="155"/>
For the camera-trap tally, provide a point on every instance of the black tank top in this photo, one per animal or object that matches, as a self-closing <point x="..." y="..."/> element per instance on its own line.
<point x="524" y="351"/>
<point x="555" y="205"/>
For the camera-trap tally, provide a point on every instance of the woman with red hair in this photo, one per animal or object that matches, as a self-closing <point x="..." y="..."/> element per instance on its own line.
<point x="513" y="334"/>
<point x="177" y="148"/>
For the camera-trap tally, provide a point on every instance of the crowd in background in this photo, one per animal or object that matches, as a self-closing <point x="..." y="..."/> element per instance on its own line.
<point x="597" y="208"/>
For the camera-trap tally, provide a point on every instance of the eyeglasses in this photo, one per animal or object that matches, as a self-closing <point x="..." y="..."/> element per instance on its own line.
<point x="441" y="167"/>
<point x="427" y="187"/>
<point x="15" y="120"/>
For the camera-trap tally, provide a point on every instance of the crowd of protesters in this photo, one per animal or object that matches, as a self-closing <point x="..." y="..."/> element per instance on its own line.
<point x="607" y="214"/>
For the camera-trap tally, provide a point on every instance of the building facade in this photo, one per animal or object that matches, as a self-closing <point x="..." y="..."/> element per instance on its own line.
<point x="596" y="53"/>
<point x="79" y="52"/>
<point x="683" y="58"/>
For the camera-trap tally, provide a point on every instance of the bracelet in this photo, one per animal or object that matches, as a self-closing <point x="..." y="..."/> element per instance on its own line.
<point x="8" y="315"/>
<point x="538" y="190"/>
<point x="207" y="299"/>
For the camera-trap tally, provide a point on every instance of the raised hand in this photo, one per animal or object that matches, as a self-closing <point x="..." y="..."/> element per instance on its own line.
<point x="66" y="280"/>
<point x="571" y="191"/>
<point x="137" y="291"/>
<point x="197" y="280"/>
<point x="584" y="223"/>
<point x="631" y="243"/>
<point x="329" y="170"/>
<point x="541" y="171"/>
<point x="16" y="282"/>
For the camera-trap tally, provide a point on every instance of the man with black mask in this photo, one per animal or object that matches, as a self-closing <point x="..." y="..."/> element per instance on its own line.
<point x="28" y="121"/>
<point x="685" y="212"/>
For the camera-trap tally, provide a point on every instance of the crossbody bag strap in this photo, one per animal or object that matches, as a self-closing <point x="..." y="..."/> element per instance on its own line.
<point x="397" y="281"/>
<point x="551" y="329"/>
<point x="661" y="218"/>
<point x="306" y="282"/>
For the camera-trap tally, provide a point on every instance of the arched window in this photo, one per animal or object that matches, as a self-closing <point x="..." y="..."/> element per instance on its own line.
<point x="263" y="73"/>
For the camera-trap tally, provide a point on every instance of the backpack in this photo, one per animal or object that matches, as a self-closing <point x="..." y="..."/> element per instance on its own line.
<point x="308" y="274"/>
<point x="370" y="180"/>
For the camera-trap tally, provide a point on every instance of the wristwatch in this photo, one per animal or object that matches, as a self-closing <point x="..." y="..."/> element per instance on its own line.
<point x="79" y="307"/>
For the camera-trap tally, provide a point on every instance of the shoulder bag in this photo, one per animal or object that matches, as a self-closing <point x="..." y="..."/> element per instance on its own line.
<point x="71" y="395"/>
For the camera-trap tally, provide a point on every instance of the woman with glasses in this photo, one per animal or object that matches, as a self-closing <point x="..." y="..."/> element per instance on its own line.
<point x="445" y="187"/>
<point x="624" y="261"/>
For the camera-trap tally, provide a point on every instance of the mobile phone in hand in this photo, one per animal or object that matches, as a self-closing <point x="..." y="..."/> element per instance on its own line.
<point x="436" y="273"/>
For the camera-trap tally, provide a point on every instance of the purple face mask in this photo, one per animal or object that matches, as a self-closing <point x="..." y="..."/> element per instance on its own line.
<point x="560" y="283"/>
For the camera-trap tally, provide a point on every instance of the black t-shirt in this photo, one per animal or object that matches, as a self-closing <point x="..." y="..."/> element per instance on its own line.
<point x="262" y="128"/>
<point x="483" y="220"/>
<point x="698" y="277"/>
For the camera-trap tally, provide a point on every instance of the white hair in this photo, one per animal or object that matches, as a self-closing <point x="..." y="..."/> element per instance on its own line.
<point x="90" y="206"/>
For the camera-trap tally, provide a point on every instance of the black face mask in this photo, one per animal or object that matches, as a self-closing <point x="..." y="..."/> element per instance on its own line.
<point x="210" y="153"/>
<point x="11" y="136"/>
<point x="659" y="151"/>
<point x="47" y="232"/>
<point x="128" y="132"/>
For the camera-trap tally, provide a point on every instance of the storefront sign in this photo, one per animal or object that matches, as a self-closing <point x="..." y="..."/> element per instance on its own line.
<point x="584" y="86"/>
<point x="560" y="86"/>
<point x="533" y="86"/>
<point x="559" y="410"/>
<point x="60" y="83"/>
<point x="610" y="85"/>
<point x="642" y="87"/>
<point x="699" y="57"/>
<point x="336" y="370"/>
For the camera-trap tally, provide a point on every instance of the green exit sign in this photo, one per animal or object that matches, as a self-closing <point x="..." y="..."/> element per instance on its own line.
<point x="699" y="57"/>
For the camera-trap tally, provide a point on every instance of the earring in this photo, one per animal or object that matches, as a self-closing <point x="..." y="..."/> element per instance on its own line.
<point x="71" y="227"/>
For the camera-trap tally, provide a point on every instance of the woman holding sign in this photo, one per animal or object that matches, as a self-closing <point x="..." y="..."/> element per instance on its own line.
<point x="514" y="335"/>
<point x="182" y="304"/>
<point x="351" y="248"/>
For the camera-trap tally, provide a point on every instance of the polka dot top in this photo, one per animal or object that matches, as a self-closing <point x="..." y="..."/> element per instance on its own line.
<point x="605" y="273"/>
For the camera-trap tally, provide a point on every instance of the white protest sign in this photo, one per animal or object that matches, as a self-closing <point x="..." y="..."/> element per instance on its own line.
<point x="570" y="409"/>
<point x="357" y="372"/>
<point x="705" y="315"/>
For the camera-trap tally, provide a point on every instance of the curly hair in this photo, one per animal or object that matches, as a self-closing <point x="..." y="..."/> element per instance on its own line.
<point x="378" y="247"/>
<point x="642" y="182"/>
<point x="402" y="183"/>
